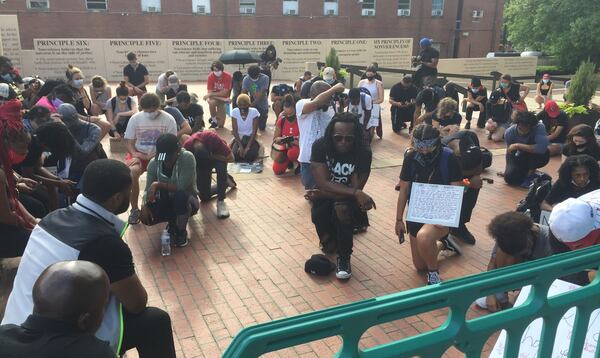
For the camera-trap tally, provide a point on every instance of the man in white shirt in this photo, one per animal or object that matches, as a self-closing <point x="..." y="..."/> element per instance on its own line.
<point x="314" y="115"/>
<point x="141" y="134"/>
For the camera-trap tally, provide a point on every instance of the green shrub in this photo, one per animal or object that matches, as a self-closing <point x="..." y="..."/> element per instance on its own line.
<point x="572" y="110"/>
<point x="551" y="70"/>
<point x="584" y="84"/>
<point x="332" y="60"/>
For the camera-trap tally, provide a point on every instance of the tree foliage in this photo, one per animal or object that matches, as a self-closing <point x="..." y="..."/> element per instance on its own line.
<point x="583" y="85"/>
<point x="332" y="60"/>
<point x="568" y="29"/>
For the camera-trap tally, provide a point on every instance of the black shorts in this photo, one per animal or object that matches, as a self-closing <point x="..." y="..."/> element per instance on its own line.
<point x="413" y="228"/>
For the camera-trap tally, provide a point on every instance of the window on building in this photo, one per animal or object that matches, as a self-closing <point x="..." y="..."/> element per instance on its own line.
<point x="290" y="7"/>
<point x="403" y="7"/>
<point x="477" y="15"/>
<point x="247" y="7"/>
<point x="437" y="7"/>
<point x="38" y="4"/>
<point x="96" y="5"/>
<point x="151" y="5"/>
<point x="330" y="7"/>
<point x="201" y="7"/>
<point x="368" y="8"/>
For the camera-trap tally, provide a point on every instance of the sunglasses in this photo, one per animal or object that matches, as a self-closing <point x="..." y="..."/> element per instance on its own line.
<point x="343" y="138"/>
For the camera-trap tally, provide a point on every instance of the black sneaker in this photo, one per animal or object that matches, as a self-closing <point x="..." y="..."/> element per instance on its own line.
<point x="433" y="277"/>
<point x="213" y="123"/>
<point x="468" y="125"/>
<point x="181" y="239"/>
<point x="463" y="234"/>
<point x="450" y="245"/>
<point x="344" y="270"/>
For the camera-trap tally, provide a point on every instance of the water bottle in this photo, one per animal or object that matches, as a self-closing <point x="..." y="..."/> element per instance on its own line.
<point x="165" y="243"/>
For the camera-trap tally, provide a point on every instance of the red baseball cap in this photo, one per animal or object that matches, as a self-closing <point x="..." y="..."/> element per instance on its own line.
<point x="551" y="107"/>
<point x="593" y="238"/>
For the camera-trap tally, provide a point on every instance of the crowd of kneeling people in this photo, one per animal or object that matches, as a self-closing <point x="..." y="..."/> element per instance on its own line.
<point x="61" y="195"/>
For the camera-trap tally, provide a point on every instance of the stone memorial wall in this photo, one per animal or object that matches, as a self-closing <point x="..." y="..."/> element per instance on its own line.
<point x="191" y="58"/>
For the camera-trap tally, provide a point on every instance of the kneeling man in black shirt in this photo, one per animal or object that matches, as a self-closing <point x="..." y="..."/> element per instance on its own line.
<point x="340" y="164"/>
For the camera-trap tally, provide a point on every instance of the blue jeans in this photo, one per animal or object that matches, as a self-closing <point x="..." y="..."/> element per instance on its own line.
<point x="306" y="176"/>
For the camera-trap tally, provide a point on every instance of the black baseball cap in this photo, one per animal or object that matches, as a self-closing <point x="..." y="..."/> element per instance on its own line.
<point x="167" y="145"/>
<point x="319" y="265"/>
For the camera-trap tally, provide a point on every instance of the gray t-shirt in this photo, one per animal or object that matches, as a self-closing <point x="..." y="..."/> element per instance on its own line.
<point x="260" y="85"/>
<point x="541" y="247"/>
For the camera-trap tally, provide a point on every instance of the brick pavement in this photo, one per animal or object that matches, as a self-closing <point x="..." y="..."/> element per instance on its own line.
<point x="249" y="269"/>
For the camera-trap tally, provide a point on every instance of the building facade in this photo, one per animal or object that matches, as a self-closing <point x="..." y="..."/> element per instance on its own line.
<point x="459" y="28"/>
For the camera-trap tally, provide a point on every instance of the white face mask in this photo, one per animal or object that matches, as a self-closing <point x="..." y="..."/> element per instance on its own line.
<point x="545" y="81"/>
<point x="218" y="73"/>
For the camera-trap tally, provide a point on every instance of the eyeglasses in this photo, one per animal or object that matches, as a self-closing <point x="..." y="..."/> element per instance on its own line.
<point x="343" y="138"/>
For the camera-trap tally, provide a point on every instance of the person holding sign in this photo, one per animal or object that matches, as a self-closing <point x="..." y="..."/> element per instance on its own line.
<point x="427" y="162"/>
<point x="341" y="163"/>
<point x="578" y="175"/>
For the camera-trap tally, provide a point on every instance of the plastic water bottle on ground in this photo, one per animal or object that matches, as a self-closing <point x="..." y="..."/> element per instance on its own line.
<point x="165" y="243"/>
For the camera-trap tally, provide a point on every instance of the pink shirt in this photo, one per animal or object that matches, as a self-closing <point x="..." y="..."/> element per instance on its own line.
<point x="45" y="102"/>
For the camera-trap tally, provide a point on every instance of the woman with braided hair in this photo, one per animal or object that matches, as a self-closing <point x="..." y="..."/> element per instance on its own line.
<point x="15" y="222"/>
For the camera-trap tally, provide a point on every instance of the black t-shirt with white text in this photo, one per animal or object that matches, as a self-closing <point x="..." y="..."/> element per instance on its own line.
<point x="341" y="165"/>
<point x="192" y="112"/>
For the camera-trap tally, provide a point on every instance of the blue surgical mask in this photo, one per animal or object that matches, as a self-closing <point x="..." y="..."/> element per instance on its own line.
<point x="504" y="85"/>
<point x="474" y="90"/>
<point x="545" y="81"/>
<point x="77" y="83"/>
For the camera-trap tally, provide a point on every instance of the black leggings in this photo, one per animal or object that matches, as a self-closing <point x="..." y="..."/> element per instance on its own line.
<point x="252" y="152"/>
<point x="149" y="332"/>
<point x="482" y="115"/>
<point x="520" y="163"/>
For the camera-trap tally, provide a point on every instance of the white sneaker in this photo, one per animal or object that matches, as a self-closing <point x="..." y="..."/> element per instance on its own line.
<point x="222" y="212"/>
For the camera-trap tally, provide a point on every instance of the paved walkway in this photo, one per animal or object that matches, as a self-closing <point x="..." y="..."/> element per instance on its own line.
<point x="249" y="269"/>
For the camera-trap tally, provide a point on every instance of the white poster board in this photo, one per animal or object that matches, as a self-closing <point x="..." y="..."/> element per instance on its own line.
<point x="531" y="337"/>
<point x="435" y="204"/>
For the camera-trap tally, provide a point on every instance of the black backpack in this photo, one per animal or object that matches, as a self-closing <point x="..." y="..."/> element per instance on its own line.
<point x="538" y="190"/>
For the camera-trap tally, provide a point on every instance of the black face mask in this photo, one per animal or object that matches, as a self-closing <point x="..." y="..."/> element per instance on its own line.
<point x="370" y="78"/>
<point x="244" y="111"/>
<point x="581" y="146"/>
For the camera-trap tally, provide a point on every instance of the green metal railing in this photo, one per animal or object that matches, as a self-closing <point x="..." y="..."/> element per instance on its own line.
<point x="351" y="321"/>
